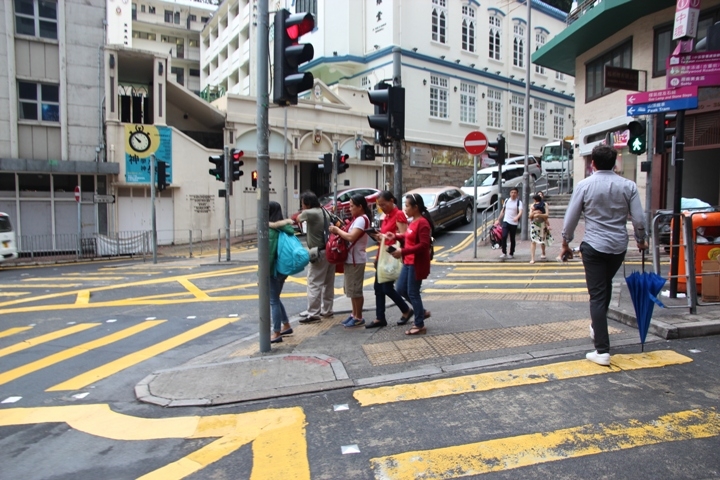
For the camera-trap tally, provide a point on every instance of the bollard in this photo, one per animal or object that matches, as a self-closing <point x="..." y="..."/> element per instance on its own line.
<point x="219" y="247"/>
<point x="190" y="243"/>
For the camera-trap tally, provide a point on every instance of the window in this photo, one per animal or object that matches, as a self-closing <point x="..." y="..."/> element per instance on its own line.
<point x="438" y="97"/>
<point x="309" y="6"/>
<point x="439" y="20"/>
<point x="193" y="42"/>
<point x="559" y="123"/>
<point x="144" y="35"/>
<point x="468" y="103"/>
<point x="560" y="76"/>
<point x="365" y="81"/>
<point x="142" y="8"/>
<point x="39" y="101"/>
<point x="204" y="19"/>
<point x="168" y="16"/>
<point x="151" y="9"/>
<point x="594" y="70"/>
<point x="539" y="118"/>
<point x="495" y="33"/>
<point x="176" y="17"/>
<point x="540" y="39"/>
<point x="468" y="29"/>
<point x="662" y="46"/>
<point x="517" y="104"/>
<point x="194" y="72"/>
<point x="37" y="18"/>
<point x="193" y="17"/>
<point x="519" y="45"/>
<point x="494" y="108"/>
<point x="134" y="11"/>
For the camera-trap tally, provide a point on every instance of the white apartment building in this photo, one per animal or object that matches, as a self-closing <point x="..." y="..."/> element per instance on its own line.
<point x="463" y="64"/>
<point x="172" y="26"/>
<point x="51" y="125"/>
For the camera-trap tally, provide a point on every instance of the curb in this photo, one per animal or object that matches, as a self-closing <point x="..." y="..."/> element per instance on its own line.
<point x="666" y="330"/>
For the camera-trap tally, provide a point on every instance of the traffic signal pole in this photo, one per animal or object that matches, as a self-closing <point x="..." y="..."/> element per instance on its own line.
<point x="678" y="159"/>
<point x="335" y="175"/>
<point x="263" y="168"/>
<point x="152" y="208"/>
<point x="228" y="189"/>
<point x="397" y="144"/>
<point x="526" y="174"/>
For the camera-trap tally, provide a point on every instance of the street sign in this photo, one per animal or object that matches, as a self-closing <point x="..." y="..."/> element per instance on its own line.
<point x="77" y="193"/>
<point x="622" y="78"/>
<point x="655" y="96"/>
<point x="699" y="69"/>
<point x="659" y="107"/>
<point x="475" y="143"/>
<point x="687" y="13"/>
<point x="103" y="198"/>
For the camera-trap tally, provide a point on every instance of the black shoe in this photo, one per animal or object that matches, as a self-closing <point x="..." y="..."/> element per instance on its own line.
<point x="310" y="319"/>
<point x="276" y="340"/>
<point x="289" y="331"/>
<point x="403" y="320"/>
<point x="376" y="324"/>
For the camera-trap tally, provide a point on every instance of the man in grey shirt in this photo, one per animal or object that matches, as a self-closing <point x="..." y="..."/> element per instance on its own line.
<point x="321" y="273"/>
<point x="605" y="199"/>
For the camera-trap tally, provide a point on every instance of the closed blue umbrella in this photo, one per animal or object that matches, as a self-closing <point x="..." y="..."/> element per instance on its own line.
<point x="644" y="288"/>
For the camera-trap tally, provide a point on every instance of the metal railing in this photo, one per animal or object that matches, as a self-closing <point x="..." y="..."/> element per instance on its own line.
<point x="581" y="9"/>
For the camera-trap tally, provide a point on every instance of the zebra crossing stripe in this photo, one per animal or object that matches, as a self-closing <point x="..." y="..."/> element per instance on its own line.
<point x="48" y="337"/>
<point x="536" y="448"/>
<point x="13" y="331"/>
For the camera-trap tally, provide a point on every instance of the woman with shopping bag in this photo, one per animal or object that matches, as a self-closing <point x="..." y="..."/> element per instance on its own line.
<point x="416" y="259"/>
<point x="387" y="267"/>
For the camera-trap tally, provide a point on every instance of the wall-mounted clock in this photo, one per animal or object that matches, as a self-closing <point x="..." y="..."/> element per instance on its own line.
<point x="139" y="140"/>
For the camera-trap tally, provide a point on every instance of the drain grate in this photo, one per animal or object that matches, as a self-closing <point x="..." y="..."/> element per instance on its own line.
<point x="433" y="346"/>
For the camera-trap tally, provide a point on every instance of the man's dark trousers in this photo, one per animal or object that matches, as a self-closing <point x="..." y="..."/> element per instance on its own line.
<point x="508" y="229"/>
<point x="600" y="269"/>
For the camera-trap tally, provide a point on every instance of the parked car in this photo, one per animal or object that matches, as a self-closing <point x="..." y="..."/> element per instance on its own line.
<point x="534" y="168"/>
<point x="8" y="247"/>
<point x="447" y="205"/>
<point x="343" y="199"/>
<point x="487" y="184"/>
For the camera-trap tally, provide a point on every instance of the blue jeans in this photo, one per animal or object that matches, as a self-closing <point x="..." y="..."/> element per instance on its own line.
<point x="383" y="289"/>
<point x="409" y="288"/>
<point x="277" y="309"/>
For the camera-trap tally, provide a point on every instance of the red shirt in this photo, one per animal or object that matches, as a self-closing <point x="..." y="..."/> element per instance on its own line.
<point x="417" y="247"/>
<point x="391" y="219"/>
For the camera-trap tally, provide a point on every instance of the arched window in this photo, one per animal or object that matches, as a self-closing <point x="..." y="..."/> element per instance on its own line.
<point x="468" y="29"/>
<point x="439" y="21"/>
<point x="540" y="39"/>
<point x="519" y="45"/>
<point x="495" y="34"/>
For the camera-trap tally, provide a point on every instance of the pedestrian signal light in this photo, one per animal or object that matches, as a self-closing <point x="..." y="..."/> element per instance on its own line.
<point x="326" y="165"/>
<point x="254" y="178"/>
<point x="342" y="162"/>
<point x="236" y="162"/>
<point x="219" y="171"/>
<point x="162" y="182"/>
<point x="499" y="154"/>
<point x="289" y="54"/>
<point x="637" y="143"/>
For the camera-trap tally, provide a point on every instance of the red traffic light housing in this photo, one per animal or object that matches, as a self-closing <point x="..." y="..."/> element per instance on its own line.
<point x="342" y="162"/>
<point x="326" y="165"/>
<point x="389" y="118"/>
<point x="235" y="163"/>
<point x="254" y="178"/>
<point x="289" y="55"/>
<point x="162" y="177"/>
<point x="499" y="154"/>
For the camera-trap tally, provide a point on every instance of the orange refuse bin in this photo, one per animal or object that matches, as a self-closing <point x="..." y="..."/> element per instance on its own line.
<point x="706" y="239"/>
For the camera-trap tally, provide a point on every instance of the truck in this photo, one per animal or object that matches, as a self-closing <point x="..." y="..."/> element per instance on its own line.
<point x="557" y="162"/>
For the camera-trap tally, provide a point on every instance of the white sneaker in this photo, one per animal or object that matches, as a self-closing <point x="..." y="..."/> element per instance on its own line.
<point x="502" y="255"/>
<point x="592" y="333"/>
<point x="304" y="314"/>
<point x="599" y="358"/>
<point x="510" y="257"/>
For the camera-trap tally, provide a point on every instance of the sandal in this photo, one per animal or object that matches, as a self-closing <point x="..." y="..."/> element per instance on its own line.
<point x="416" y="331"/>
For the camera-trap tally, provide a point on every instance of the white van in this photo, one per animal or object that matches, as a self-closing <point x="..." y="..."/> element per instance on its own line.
<point x="8" y="245"/>
<point x="487" y="184"/>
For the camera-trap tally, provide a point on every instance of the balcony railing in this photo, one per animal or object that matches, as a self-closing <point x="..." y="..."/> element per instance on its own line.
<point x="580" y="9"/>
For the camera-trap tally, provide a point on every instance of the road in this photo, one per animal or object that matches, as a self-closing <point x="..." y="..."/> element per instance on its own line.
<point x="76" y="339"/>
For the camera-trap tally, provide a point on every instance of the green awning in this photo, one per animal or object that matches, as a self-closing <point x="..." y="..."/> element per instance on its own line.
<point x="598" y="23"/>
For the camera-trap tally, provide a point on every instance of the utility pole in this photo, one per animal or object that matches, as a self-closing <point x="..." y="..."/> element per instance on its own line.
<point x="526" y="174"/>
<point x="678" y="159"/>
<point x="152" y="208"/>
<point x="397" y="144"/>
<point x="285" y="171"/>
<point x="263" y="169"/>
<point x="335" y="175"/>
<point x="228" y="189"/>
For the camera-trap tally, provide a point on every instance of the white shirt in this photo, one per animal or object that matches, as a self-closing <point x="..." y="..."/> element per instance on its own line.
<point x="357" y="253"/>
<point x="512" y="208"/>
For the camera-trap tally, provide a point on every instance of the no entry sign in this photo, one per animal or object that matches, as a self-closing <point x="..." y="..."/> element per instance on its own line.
<point x="475" y="143"/>
<point x="77" y="194"/>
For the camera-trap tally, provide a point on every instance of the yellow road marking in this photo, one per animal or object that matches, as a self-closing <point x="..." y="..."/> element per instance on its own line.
<point x="526" y="281"/>
<point x="277" y="435"/>
<point x="505" y="290"/>
<point x="58" y="357"/>
<point x="192" y="288"/>
<point x="83" y="297"/>
<point x="506" y="267"/>
<point x="13" y="294"/>
<point x="48" y="337"/>
<point x="67" y="276"/>
<point x="132" y="359"/>
<point x="524" y="275"/>
<point x="512" y="378"/>
<point x="13" y="331"/>
<point x="42" y="285"/>
<point x="524" y="450"/>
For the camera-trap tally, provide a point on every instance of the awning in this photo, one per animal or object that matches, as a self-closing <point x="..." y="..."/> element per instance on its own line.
<point x="601" y="20"/>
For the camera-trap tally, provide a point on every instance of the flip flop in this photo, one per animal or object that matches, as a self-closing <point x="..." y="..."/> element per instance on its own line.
<point x="416" y="331"/>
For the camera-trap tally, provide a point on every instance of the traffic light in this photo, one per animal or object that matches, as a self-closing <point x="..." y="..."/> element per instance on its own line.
<point x="342" y="164"/>
<point x="254" y="177"/>
<point x="367" y="152"/>
<point x="236" y="162"/>
<point x="219" y="171"/>
<point x="389" y="118"/>
<point x="289" y="54"/>
<point x="162" y="176"/>
<point x="326" y="166"/>
<point x="637" y="143"/>
<point x="667" y="128"/>
<point x="499" y="154"/>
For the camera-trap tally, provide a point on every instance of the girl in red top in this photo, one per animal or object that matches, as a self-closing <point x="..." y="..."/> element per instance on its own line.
<point x="416" y="258"/>
<point x="394" y="221"/>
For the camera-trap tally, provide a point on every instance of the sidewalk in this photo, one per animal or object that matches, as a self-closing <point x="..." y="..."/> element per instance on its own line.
<point x="466" y="332"/>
